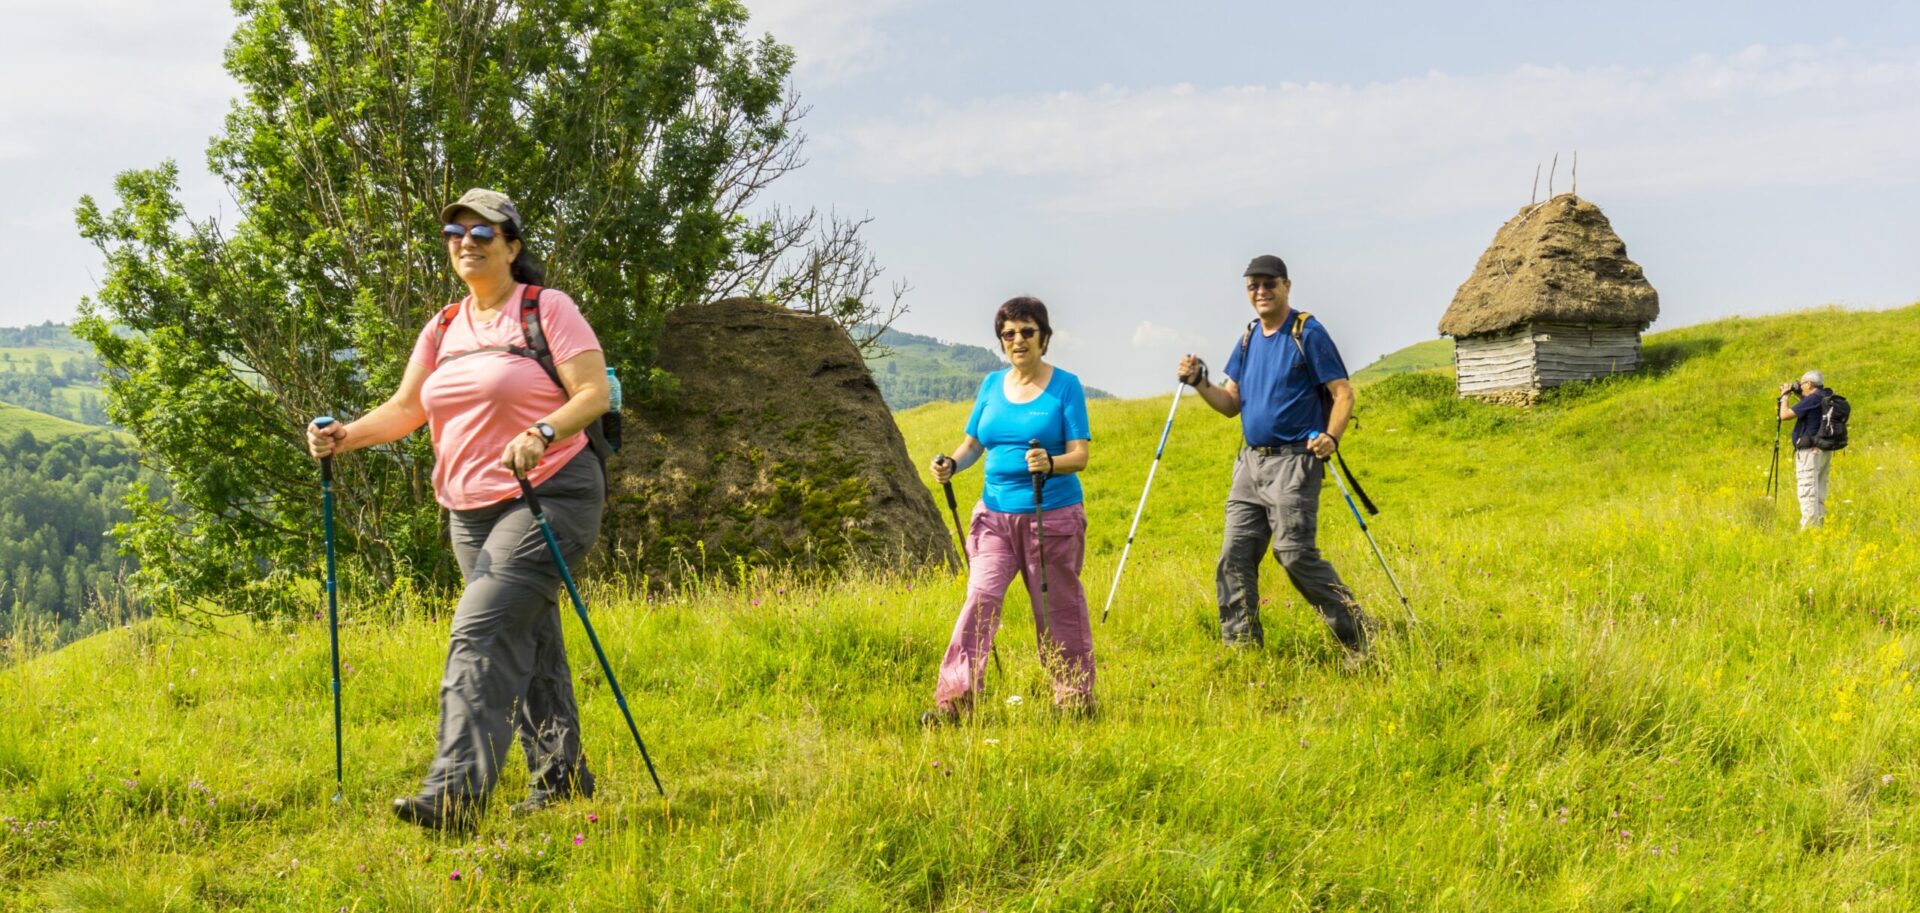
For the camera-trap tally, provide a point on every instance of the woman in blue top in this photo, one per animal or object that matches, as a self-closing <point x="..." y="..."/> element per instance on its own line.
<point x="1029" y="401"/>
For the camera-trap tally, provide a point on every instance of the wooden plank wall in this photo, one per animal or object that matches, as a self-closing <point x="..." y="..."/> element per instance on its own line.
<point x="1493" y="362"/>
<point x="1567" y="352"/>
<point x="1537" y="356"/>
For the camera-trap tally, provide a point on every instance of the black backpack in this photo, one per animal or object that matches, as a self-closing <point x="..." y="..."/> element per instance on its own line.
<point x="1831" y="431"/>
<point x="603" y="436"/>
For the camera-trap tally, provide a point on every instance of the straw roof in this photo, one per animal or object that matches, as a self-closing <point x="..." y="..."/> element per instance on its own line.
<point x="1558" y="261"/>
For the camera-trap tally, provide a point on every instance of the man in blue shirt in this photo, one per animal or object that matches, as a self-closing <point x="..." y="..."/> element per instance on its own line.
<point x="1810" y="463"/>
<point x="1286" y="382"/>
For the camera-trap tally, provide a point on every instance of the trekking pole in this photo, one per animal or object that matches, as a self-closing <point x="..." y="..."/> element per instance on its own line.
<point x="1040" y="535"/>
<point x="333" y="606"/>
<point x="1345" y="493"/>
<point x="1178" y="387"/>
<point x="580" y="607"/>
<point x="953" y="510"/>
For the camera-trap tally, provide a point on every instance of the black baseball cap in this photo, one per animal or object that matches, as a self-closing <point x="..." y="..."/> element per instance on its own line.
<point x="1267" y="265"/>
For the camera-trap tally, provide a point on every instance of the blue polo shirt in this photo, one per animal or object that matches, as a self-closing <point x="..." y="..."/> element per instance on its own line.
<point x="1056" y="416"/>
<point x="1279" y="389"/>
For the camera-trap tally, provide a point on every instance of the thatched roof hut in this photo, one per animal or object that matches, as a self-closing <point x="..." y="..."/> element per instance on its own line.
<point x="1553" y="299"/>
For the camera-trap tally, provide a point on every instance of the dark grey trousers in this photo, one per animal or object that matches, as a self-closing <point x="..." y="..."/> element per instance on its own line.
<point x="506" y="667"/>
<point x="1276" y="497"/>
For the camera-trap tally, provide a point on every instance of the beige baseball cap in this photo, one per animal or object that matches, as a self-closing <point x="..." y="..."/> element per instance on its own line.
<point x="491" y="205"/>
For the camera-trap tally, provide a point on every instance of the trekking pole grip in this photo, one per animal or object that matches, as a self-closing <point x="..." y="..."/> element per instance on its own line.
<point x="326" y="462"/>
<point x="948" y="484"/>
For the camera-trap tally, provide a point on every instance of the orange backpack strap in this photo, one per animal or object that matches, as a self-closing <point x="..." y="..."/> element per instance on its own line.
<point x="440" y="326"/>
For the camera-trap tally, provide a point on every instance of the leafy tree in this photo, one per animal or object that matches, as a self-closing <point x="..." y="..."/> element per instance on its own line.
<point x="632" y="133"/>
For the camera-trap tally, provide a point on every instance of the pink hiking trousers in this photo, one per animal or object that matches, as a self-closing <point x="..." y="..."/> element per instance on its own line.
<point x="1001" y="545"/>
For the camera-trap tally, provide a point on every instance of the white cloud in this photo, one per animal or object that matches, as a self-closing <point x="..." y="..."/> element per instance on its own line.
<point x="1763" y="117"/>
<point x="832" y="39"/>
<point x="1153" y="336"/>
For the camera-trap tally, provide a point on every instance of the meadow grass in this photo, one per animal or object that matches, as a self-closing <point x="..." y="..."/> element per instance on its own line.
<point x="1636" y="687"/>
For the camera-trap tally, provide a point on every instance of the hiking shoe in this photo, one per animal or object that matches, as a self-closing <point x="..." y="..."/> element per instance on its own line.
<point x="1083" y="710"/>
<point x="441" y="814"/>
<point x="1357" y="660"/>
<point x="577" y="786"/>
<point x="942" y="714"/>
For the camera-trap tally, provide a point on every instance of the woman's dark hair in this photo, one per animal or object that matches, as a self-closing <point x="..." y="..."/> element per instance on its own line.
<point x="524" y="267"/>
<point x="1023" y="308"/>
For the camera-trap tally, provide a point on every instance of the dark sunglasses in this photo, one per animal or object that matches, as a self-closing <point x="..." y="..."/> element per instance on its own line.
<point x="1022" y="333"/>
<point x="1266" y="282"/>
<point x="480" y="233"/>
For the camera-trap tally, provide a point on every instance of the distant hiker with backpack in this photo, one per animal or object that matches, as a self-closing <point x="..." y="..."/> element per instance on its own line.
<point x="1819" y="428"/>
<point x="1030" y="422"/>
<point x="1286" y="382"/>
<point x="507" y="379"/>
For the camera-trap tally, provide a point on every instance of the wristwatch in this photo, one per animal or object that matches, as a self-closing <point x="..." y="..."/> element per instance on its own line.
<point x="544" y="430"/>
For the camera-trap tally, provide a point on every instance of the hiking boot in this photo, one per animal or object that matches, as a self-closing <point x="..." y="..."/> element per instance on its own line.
<point x="1083" y="710"/>
<point x="575" y="787"/>
<point x="442" y="814"/>
<point x="1356" y="660"/>
<point x="944" y="713"/>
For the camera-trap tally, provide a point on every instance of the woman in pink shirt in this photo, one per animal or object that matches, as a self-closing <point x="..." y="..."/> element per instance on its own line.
<point x="494" y="413"/>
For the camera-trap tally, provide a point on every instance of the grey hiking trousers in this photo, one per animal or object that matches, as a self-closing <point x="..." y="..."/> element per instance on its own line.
<point x="506" y="670"/>
<point x="1276" y="497"/>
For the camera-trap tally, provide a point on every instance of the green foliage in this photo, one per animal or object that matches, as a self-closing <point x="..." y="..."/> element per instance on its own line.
<point x="615" y="125"/>
<point x="1637" y="688"/>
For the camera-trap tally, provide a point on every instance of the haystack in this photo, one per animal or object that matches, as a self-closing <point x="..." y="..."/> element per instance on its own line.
<point x="1554" y="299"/>
<point x="777" y="451"/>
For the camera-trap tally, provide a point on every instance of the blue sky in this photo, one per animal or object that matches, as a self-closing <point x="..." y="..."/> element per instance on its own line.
<point x="1123" y="160"/>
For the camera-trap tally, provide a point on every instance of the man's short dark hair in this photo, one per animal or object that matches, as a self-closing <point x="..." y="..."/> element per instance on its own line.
<point x="1023" y="308"/>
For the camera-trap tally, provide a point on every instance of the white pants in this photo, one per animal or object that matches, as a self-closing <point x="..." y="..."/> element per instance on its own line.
<point x="1810" y="468"/>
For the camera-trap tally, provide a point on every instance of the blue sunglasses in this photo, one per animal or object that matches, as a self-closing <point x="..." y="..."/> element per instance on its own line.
<point x="480" y="233"/>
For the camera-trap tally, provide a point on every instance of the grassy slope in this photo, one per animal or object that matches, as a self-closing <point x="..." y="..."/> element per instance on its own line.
<point x="1650" y="694"/>
<point x="1421" y="356"/>
<point x="44" y="427"/>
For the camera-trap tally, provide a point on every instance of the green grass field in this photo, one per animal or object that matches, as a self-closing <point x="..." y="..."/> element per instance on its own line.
<point x="44" y="426"/>
<point x="1637" y="687"/>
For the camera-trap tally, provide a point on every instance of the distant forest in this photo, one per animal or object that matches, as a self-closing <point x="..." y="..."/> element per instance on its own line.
<point x="59" y="572"/>
<point x="921" y="369"/>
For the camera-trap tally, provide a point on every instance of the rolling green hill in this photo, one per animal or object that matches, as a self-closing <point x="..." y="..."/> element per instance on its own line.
<point x="1421" y="356"/>
<point x="1635" y="687"/>
<point x="45" y="369"/>
<point x="922" y="369"/>
<point x="44" y="426"/>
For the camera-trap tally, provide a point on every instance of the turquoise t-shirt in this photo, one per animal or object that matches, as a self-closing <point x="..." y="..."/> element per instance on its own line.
<point x="1056" y="416"/>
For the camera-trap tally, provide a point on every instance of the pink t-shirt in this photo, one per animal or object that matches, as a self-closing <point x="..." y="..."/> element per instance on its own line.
<point x="478" y="403"/>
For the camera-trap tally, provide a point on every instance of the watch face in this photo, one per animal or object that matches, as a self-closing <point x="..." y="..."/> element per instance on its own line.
<point x="546" y="431"/>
